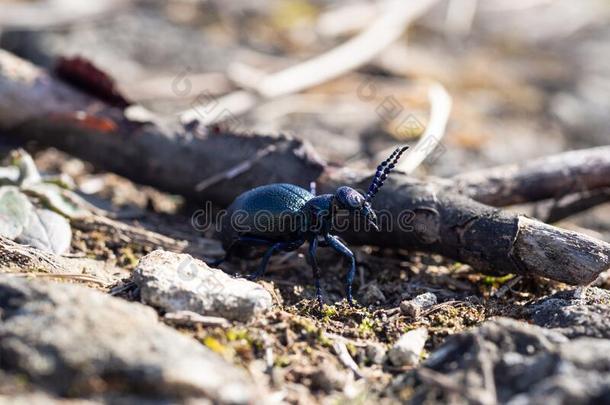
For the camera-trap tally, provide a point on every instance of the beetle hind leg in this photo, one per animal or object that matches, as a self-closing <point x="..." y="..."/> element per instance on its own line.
<point x="311" y="259"/>
<point x="280" y="246"/>
<point x="242" y="240"/>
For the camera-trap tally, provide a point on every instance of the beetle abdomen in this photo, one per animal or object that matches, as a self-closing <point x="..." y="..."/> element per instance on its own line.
<point x="271" y="212"/>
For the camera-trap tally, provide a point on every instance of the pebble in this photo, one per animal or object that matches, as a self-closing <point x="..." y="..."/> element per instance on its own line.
<point x="408" y="348"/>
<point x="415" y="307"/>
<point x="178" y="282"/>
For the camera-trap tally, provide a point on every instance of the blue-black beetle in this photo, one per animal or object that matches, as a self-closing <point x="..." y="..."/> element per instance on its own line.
<point x="281" y="217"/>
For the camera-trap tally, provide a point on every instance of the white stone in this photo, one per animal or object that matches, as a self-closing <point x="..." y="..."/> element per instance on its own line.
<point x="408" y="348"/>
<point x="178" y="282"/>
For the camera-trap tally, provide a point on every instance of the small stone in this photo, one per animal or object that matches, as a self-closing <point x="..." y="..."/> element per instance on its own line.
<point x="375" y="353"/>
<point x="177" y="282"/>
<point x="414" y="307"/>
<point x="408" y="348"/>
<point x="372" y="294"/>
<point x="411" y="309"/>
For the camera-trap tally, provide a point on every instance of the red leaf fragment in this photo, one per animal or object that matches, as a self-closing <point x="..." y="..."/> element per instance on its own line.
<point x="83" y="74"/>
<point x="88" y="121"/>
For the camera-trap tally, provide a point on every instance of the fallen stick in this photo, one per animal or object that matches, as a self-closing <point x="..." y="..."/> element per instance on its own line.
<point x="440" y="109"/>
<point x="539" y="179"/>
<point x="426" y="217"/>
<point x="35" y="106"/>
<point x="174" y="158"/>
<point x="572" y="204"/>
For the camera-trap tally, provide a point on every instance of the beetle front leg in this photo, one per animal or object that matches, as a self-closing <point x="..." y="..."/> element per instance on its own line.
<point x="311" y="259"/>
<point x="336" y="244"/>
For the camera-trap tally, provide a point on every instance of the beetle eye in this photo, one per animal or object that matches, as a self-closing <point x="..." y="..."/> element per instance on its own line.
<point x="349" y="198"/>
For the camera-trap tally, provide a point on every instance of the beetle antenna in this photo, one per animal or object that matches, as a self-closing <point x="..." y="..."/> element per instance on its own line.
<point x="383" y="170"/>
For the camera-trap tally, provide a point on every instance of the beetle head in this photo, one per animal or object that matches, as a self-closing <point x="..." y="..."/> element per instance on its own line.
<point x="349" y="199"/>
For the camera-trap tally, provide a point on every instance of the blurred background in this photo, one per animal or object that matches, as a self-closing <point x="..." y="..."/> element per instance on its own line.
<point x="522" y="78"/>
<point x="473" y="83"/>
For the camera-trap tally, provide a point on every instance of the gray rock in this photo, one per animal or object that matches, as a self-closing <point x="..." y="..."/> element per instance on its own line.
<point x="177" y="282"/>
<point x="75" y="342"/>
<point x="581" y="311"/>
<point x="372" y="294"/>
<point x="408" y="348"/>
<point x="414" y="307"/>
<point x="375" y="353"/>
<point x="522" y="364"/>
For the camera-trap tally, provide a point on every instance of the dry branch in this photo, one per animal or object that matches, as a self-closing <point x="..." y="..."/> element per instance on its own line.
<point x="548" y="177"/>
<point x="572" y="204"/>
<point x="34" y="106"/>
<point x="426" y="217"/>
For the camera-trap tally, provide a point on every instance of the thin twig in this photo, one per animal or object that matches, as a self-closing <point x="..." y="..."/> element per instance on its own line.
<point x="235" y="170"/>
<point x="345" y="358"/>
<point x="349" y="55"/>
<point x="80" y="277"/>
<point x="575" y="203"/>
<point x="193" y="318"/>
<point x="122" y="288"/>
<point x="129" y="233"/>
<point x="506" y="287"/>
<point x="346" y="57"/>
<point x="346" y="18"/>
<point x="440" y="109"/>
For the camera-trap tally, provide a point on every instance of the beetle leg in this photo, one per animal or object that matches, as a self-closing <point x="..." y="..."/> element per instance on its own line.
<point x="336" y="244"/>
<point x="241" y="239"/>
<point x="287" y="246"/>
<point x="311" y="259"/>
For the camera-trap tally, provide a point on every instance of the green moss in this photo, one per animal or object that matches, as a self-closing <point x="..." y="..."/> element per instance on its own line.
<point x="323" y="339"/>
<point x="237" y="334"/>
<point x="329" y="312"/>
<point x="495" y="281"/>
<point x="214" y="345"/>
<point x="305" y="325"/>
<point x="367" y="326"/>
<point x="282" y="361"/>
